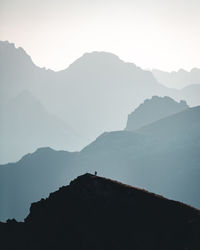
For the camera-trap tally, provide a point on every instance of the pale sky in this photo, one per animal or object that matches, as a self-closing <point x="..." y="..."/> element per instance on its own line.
<point x="162" y="34"/>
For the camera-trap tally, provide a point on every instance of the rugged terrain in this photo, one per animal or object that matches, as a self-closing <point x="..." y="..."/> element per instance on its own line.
<point x="98" y="213"/>
<point x="162" y="157"/>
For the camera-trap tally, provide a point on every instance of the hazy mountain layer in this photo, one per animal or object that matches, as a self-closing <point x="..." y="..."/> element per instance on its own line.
<point x="191" y="94"/>
<point x="26" y="125"/>
<point x="152" y="110"/>
<point x="162" y="157"/>
<point x="97" y="213"/>
<point x="178" y="79"/>
<point x="94" y="94"/>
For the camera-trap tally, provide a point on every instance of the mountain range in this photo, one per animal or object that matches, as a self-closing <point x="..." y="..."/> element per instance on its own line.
<point x="93" y="95"/>
<point x="26" y="124"/>
<point x="161" y="156"/>
<point x="178" y="79"/>
<point x="100" y="214"/>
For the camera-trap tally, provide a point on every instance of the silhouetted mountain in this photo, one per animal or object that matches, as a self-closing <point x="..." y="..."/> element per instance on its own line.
<point x="30" y="179"/>
<point x="162" y="157"/>
<point x="178" y="79"/>
<point x="98" y="213"/>
<point x="26" y="125"/>
<point x="94" y="94"/>
<point x="183" y="124"/>
<point x="152" y="110"/>
<point x="188" y="84"/>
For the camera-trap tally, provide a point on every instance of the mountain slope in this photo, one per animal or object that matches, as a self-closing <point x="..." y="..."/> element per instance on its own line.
<point x="191" y="94"/>
<point x="18" y="72"/>
<point x="183" y="124"/>
<point x="178" y="79"/>
<point x="94" y="94"/>
<point x="162" y="157"/>
<point x="30" y="179"/>
<point x="26" y="125"/>
<point x="105" y="88"/>
<point x="152" y="110"/>
<point x="97" y="213"/>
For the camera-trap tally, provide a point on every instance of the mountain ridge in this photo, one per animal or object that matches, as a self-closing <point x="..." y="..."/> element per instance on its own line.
<point x="98" y="213"/>
<point x="160" y="160"/>
<point x="94" y="94"/>
<point x="178" y="79"/>
<point x="27" y="124"/>
<point x="152" y="110"/>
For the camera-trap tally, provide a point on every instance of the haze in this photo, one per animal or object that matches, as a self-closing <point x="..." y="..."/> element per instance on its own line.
<point x="150" y="33"/>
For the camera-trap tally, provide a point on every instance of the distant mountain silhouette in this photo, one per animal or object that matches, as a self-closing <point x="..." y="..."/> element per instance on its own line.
<point x="94" y="94"/>
<point x="18" y="72"/>
<point x="98" y="213"/>
<point x="152" y="110"/>
<point x="162" y="157"/>
<point x="178" y="79"/>
<point x="99" y="89"/>
<point x="183" y="124"/>
<point x="191" y="94"/>
<point x="26" y="125"/>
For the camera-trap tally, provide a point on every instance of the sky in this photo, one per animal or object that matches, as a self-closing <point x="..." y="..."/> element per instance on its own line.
<point x="150" y="33"/>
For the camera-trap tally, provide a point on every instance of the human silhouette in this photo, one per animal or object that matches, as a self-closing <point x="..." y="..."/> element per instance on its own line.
<point x="95" y="172"/>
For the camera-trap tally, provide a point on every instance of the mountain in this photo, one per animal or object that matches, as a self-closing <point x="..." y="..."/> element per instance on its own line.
<point x="30" y="179"/>
<point x="178" y="79"/>
<point x="191" y="94"/>
<point x="18" y="72"/>
<point x="152" y="110"/>
<point x="184" y="124"/>
<point x="94" y="94"/>
<point x="27" y="125"/>
<point x="106" y="88"/>
<point x="162" y="157"/>
<point x="98" y="213"/>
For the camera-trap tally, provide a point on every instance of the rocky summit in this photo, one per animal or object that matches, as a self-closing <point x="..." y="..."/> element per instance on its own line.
<point x="95" y="213"/>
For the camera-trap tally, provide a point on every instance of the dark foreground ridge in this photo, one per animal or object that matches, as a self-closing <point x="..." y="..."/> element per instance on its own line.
<point x="94" y="213"/>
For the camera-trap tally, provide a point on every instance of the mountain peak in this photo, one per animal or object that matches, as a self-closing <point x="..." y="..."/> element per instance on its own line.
<point x="9" y="51"/>
<point x="90" y="185"/>
<point x="102" y="214"/>
<point x="152" y="110"/>
<point x="96" y="58"/>
<point x="101" y="54"/>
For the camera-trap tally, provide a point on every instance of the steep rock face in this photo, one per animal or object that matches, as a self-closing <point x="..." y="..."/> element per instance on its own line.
<point x="97" y="213"/>
<point x="153" y="110"/>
